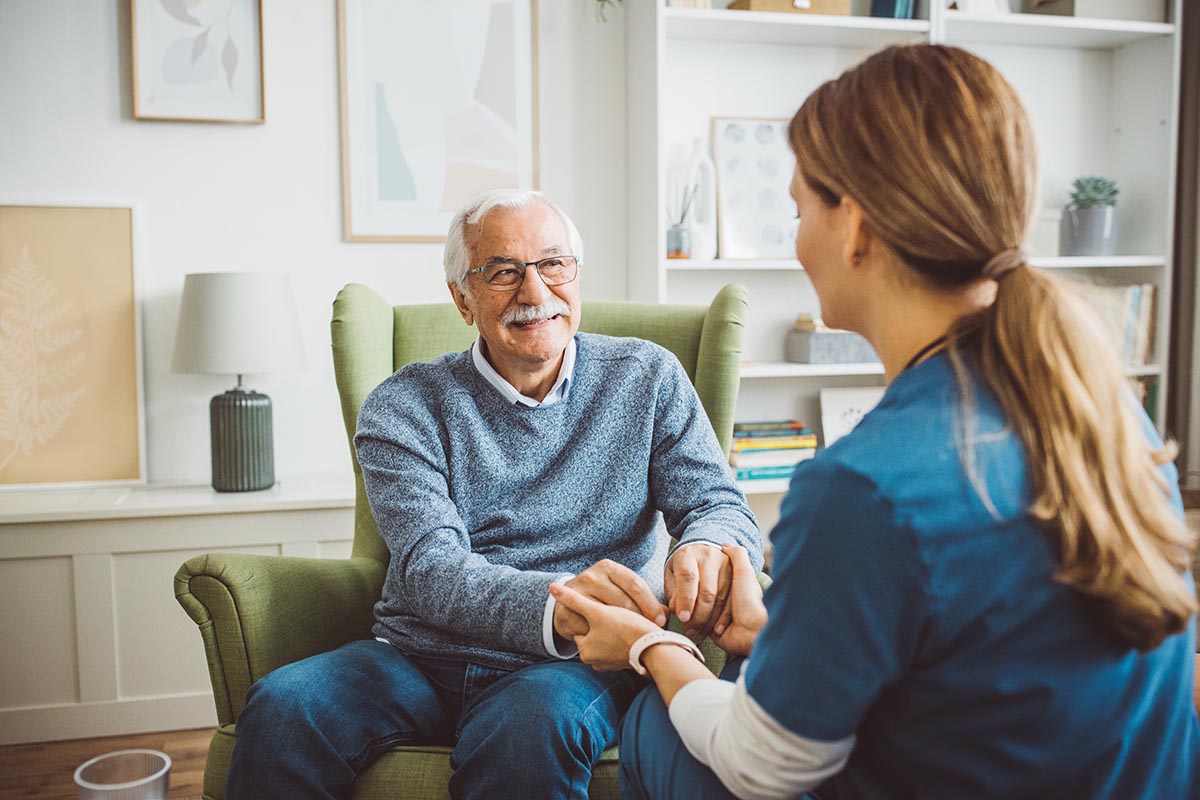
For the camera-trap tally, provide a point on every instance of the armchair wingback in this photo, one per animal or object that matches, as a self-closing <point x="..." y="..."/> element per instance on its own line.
<point x="257" y="613"/>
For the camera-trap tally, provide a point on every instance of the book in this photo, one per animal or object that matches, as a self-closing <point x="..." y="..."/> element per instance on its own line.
<point x="772" y="433"/>
<point x="765" y="473"/>
<point x="782" y="425"/>
<point x="771" y="458"/>
<point x="805" y="441"/>
<point x="1126" y="313"/>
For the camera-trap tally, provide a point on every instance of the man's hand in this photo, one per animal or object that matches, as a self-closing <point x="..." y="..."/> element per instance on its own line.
<point x="697" y="583"/>
<point x="612" y="584"/>
<point x="611" y="631"/>
<point x="745" y="615"/>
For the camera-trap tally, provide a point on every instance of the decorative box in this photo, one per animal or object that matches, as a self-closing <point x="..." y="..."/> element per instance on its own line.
<point x="838" y="7"/>
<point x="1141" y="10"/>
<point x="827" y="347"/>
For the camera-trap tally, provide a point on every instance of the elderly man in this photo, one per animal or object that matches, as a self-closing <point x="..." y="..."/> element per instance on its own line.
<point x="539" y="455"/>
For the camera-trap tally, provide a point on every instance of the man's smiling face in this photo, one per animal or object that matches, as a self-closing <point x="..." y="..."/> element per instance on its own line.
<point x="552" y="312"/>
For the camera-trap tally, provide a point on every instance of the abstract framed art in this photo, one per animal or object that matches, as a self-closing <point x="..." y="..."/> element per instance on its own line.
<point x="70" y="346"/>
<point x="755" y="214"/>
<point x="438" y="102"/>
<point x="197" y="60"/>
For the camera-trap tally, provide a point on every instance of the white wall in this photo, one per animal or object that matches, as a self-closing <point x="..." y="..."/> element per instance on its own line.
<point x="216" y="197"/>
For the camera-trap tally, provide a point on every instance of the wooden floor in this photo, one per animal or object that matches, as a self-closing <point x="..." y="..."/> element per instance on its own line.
<point x="47" y="770"/>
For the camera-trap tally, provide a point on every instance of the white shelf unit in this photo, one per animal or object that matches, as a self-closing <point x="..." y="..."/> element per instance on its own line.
<point x="1102" y="95"/>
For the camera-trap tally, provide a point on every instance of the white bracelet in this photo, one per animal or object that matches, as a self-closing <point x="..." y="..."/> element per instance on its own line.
<point x="660" y="637"/>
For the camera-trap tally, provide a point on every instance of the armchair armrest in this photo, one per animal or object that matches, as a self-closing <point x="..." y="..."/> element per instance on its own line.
<point x="256" y="613"/>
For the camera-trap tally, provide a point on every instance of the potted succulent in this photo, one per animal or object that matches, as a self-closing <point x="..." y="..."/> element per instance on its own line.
<point x="1089" y="220"/>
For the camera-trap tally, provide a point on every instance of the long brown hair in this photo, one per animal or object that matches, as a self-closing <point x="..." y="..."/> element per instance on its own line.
<point x="937" y="149"/>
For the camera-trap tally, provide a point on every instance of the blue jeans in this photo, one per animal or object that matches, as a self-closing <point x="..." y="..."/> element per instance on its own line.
<point x="309" y="728"/>
<point x="654" y="761"/>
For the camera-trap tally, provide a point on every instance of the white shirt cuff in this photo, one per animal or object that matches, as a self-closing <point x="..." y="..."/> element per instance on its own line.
<point x="569" y="650"/>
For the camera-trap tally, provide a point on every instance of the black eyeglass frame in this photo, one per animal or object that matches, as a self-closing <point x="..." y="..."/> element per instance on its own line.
<point x="524" y="267"/>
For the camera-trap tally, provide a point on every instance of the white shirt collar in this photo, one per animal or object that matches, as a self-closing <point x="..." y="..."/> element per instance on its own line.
<point x="557" y="392"/>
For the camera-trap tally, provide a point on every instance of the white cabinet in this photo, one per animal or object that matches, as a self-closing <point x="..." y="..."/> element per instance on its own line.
<point x="94" y="641"/>
<point x="1102" y="95"/>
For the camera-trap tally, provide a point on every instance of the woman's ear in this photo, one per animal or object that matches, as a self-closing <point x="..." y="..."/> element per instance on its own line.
<point x="857" y="240"/>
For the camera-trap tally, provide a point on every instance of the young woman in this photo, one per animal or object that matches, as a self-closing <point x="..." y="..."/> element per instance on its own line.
<point x="983" y="591"/>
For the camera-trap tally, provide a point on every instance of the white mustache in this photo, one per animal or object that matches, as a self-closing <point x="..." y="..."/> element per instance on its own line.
<point x="518" y="315"/>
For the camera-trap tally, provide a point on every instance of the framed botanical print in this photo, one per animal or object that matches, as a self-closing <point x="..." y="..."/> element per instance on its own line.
<point x="438" y="103"/>
<point x="70" y="347"/>
<point x="198" y="60"/>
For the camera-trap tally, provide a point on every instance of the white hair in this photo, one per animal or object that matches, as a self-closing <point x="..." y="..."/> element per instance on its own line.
<point x="457" y="257"/>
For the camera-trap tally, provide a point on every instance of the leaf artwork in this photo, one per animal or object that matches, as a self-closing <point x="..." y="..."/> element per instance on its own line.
<point x="199" y="43"/>
<point x="178" y="10"/>
<point x="36" y="376"/>
<point x="229" y="60"/>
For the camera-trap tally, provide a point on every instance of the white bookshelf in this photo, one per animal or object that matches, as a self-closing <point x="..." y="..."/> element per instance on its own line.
<point x="733" y="265"/>
<point x="760" y="27"/>
<point x="788" y="369"/>
<point x="1043" y="30"/>
<point x="1102" y="95"/>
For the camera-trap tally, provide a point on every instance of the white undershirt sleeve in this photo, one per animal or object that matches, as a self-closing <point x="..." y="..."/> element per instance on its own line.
<point x="753" y="755"/>
<point x="568" y="649"/>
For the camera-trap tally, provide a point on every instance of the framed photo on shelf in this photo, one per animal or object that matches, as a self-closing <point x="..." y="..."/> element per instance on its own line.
<point x="843" y="408"/>
<point x="70" y="347"/>
<point x="470" y="67"/>
<point x="197" y="60"/>
<point x="756" y="217"/>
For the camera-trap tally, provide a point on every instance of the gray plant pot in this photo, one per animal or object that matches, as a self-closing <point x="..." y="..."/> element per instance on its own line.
<point x="1088" y="231"/>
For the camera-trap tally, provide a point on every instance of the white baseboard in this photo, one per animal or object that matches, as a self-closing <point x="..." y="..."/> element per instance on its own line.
<point x="108" y="718"/>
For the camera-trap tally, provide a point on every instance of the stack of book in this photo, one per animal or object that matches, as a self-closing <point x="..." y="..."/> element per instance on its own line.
<point x="764" y="450"/>
<point x="1128" y="312"/>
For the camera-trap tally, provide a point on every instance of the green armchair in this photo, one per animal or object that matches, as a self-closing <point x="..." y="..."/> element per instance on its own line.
<point x="257" y="613"/>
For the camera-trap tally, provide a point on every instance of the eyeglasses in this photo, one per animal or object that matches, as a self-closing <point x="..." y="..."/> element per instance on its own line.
<point x="506" y="275"/>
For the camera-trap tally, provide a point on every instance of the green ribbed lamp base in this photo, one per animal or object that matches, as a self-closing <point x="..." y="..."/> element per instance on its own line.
<point x="243" y="450"/>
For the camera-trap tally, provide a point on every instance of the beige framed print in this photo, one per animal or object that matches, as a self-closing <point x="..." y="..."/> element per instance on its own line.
<point x="70" y="354"/>
<point x="197" y="60"/>
<point x="438" y="103"/>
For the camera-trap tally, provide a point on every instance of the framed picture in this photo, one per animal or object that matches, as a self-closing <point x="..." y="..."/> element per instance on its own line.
<point x="438" y="103"/>
<point x="842" y="409"/>
<point x="756" y="217"/>
<point x="198" y="60"/>
<point x="70" y="347"/>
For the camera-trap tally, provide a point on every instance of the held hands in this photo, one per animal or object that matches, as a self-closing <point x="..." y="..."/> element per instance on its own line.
<point x="697" y="581"/>
<point x="744" y="615"/>
<point x="613" y="585"/>
<point x="610" y="630"/>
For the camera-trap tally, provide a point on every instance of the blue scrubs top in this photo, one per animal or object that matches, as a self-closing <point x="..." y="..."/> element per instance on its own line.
<point x="904" y="612"/>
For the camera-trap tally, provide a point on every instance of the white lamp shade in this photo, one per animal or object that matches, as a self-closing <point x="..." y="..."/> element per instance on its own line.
<point x="238" y="323"/>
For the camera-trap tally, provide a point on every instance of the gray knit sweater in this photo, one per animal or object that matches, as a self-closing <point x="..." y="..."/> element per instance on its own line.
<point x="484" y="503"/>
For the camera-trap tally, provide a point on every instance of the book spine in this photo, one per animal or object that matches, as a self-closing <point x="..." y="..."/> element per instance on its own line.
<point x="762" y="473"/>
<point x="806" y="443"/>
<point x="771" y="458"/>
<point x="773" y="433"/>
<point x="784" y="425"/>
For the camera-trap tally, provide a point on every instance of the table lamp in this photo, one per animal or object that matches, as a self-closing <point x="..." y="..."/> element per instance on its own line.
<point x="237" y="323"/>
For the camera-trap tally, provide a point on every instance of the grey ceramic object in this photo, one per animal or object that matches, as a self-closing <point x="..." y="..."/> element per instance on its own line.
<point x="243" y="449"/>
<point x="1088" y="231"/>
<point x="827" y="347"/>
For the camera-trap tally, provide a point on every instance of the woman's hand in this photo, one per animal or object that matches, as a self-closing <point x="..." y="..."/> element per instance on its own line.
<point x="744" y="615"/>
<point x="611" y="631"/>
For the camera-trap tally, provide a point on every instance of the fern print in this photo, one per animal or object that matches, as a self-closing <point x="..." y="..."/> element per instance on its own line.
<point x="38" y="367"/>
